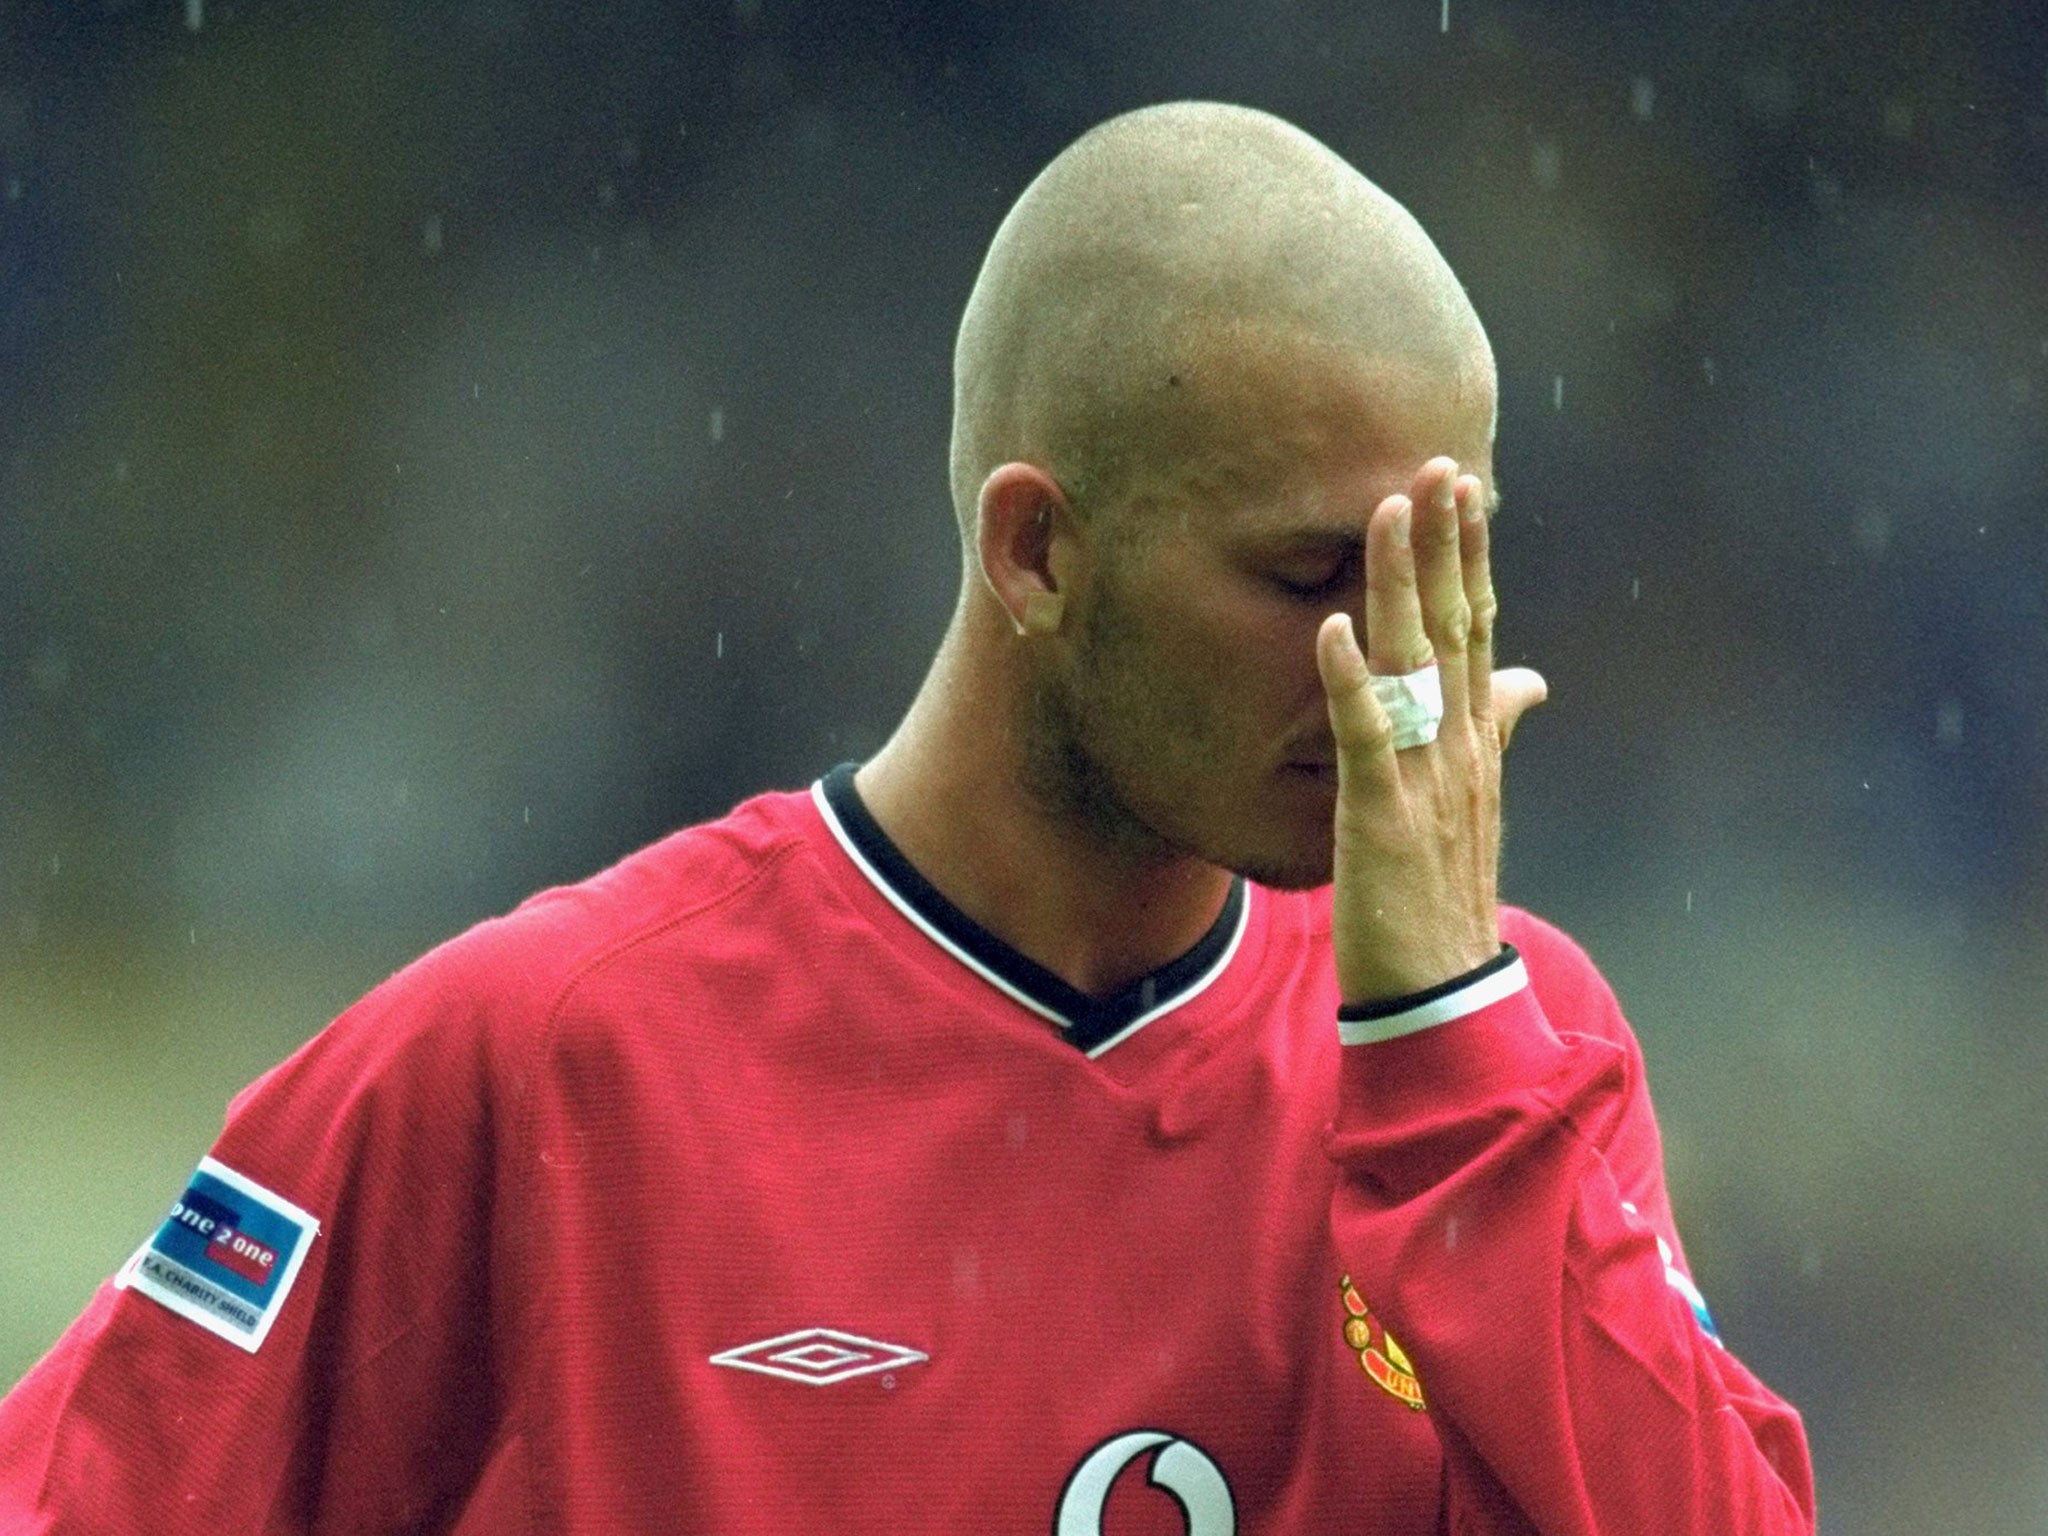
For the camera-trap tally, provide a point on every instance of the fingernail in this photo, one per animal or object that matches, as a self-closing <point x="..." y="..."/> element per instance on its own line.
<point x="1401" y="519"/>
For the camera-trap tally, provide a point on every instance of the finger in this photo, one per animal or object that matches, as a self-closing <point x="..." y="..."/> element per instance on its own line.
<point x="1480" y="606"/>
<point x="1515" y="690"/>
<point x="1365" y="737"/>
<point x="1394" y="636"/>
<point x="1440" y="576"/>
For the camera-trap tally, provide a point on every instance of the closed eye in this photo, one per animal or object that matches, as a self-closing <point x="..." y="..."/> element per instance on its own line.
<point x="1319" y="579"/>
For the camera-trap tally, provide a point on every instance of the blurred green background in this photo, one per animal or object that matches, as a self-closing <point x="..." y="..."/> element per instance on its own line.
<point x="446" y="445"/>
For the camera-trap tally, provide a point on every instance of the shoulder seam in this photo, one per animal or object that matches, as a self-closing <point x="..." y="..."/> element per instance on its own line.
<point x="537" y="1044"/>
<point x="657" y="926"/>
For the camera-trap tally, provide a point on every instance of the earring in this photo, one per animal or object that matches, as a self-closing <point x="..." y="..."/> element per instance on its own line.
<point x="1042" y="613"/>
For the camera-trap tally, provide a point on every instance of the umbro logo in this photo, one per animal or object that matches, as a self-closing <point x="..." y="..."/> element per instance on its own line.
<point x="819" y="1357"/>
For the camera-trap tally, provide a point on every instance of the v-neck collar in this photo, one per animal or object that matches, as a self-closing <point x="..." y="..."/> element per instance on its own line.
<point x="1092" y="1024"/>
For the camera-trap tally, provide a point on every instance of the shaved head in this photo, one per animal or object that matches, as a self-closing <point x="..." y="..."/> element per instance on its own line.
<point x="1165" y="272"/>
<point x="1202" y="353"/>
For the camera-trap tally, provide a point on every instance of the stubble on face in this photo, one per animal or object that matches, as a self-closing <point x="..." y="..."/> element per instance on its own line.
<point x="1130" y="744"/>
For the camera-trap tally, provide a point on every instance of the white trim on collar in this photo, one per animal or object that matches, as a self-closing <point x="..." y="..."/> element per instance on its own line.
<point x="896" y="899"/>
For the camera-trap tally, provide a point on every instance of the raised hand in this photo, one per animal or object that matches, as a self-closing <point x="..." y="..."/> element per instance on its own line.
<point x="1418" y="829"/>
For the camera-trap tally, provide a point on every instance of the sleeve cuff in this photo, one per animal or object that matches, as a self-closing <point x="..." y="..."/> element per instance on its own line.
<point x="1369" y="1023"/>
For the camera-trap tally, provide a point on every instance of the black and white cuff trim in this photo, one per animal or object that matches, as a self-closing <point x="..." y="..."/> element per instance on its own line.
<point x="1368" y="1023"/>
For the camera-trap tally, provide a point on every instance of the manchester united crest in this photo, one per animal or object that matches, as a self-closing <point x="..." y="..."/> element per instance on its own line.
<point x="1381" y="1358"/>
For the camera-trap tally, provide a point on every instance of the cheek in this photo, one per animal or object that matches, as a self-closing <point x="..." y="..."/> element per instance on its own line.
<point x="1257" y="679"/>
<point x="1227" y="672"/>
<point x="1278" y="656"/>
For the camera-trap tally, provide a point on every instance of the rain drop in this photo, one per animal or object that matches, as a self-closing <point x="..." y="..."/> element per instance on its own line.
<point x="430" y="235"/>
<point x="1642" y="97"/>
<point x="718" y="646"/>
<point x="1444" y="22"/>
<point x="195" y="15"/>
<point x="1557" y="392"/>
<point x="718" y="424"/>
<point x="1546" y="163"/>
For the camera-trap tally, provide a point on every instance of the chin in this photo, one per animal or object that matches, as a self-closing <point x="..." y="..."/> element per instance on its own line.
<point x="1291" y="848"/>
<point x="1302" y="867"/>
<point x="1286" y="877"/>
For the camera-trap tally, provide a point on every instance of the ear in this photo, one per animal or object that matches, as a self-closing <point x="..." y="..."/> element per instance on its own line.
<point x="1022" y="516"/>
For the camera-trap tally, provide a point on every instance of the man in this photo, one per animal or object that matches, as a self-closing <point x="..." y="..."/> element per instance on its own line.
<point x="1054" y="1124"/>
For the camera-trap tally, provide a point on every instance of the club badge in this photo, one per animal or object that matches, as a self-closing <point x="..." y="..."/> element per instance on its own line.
<point x="1381" y="1358"/>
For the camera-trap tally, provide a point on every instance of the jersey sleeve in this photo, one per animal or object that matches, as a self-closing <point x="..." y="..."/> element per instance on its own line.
<point x="1501" y="1207"/>
<point x="193" y="1396"/>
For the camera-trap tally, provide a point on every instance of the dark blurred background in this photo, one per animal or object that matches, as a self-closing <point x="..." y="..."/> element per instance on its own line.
<point x="443" y="446"/>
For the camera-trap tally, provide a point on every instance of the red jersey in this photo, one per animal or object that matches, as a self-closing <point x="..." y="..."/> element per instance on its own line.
<point x="750" y="1187"/>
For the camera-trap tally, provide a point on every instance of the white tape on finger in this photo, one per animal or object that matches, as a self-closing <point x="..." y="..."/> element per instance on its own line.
<point x="1414" y="702"/>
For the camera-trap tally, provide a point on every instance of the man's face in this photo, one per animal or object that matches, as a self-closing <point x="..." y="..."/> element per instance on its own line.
<point x="1187" y="717"/>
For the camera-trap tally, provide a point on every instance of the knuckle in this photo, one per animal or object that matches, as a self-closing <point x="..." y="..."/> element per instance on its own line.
<point x="1390" y="576"/>
<point x="1373" y="734"/>
<point x="1485" y="612"/>
<point x="1454" y="627"/>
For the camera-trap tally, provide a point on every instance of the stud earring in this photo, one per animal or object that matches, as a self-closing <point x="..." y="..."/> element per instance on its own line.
<point x="1042" y="613"/>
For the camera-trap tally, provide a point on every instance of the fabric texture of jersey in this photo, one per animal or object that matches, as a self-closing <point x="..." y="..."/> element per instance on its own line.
<point x="748" y="1187"/>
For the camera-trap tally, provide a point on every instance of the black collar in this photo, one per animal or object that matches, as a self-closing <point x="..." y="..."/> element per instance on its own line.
<point x="1093" y="1024"/>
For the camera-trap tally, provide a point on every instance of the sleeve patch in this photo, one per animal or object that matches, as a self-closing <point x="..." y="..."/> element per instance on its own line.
<point x="226" y="1255"/>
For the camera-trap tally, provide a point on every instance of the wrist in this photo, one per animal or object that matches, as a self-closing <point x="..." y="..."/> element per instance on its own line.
<point x="1389" y="972"/>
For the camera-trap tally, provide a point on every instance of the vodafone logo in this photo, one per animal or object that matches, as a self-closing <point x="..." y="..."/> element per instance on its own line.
<point x="1179" y="1467"/>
